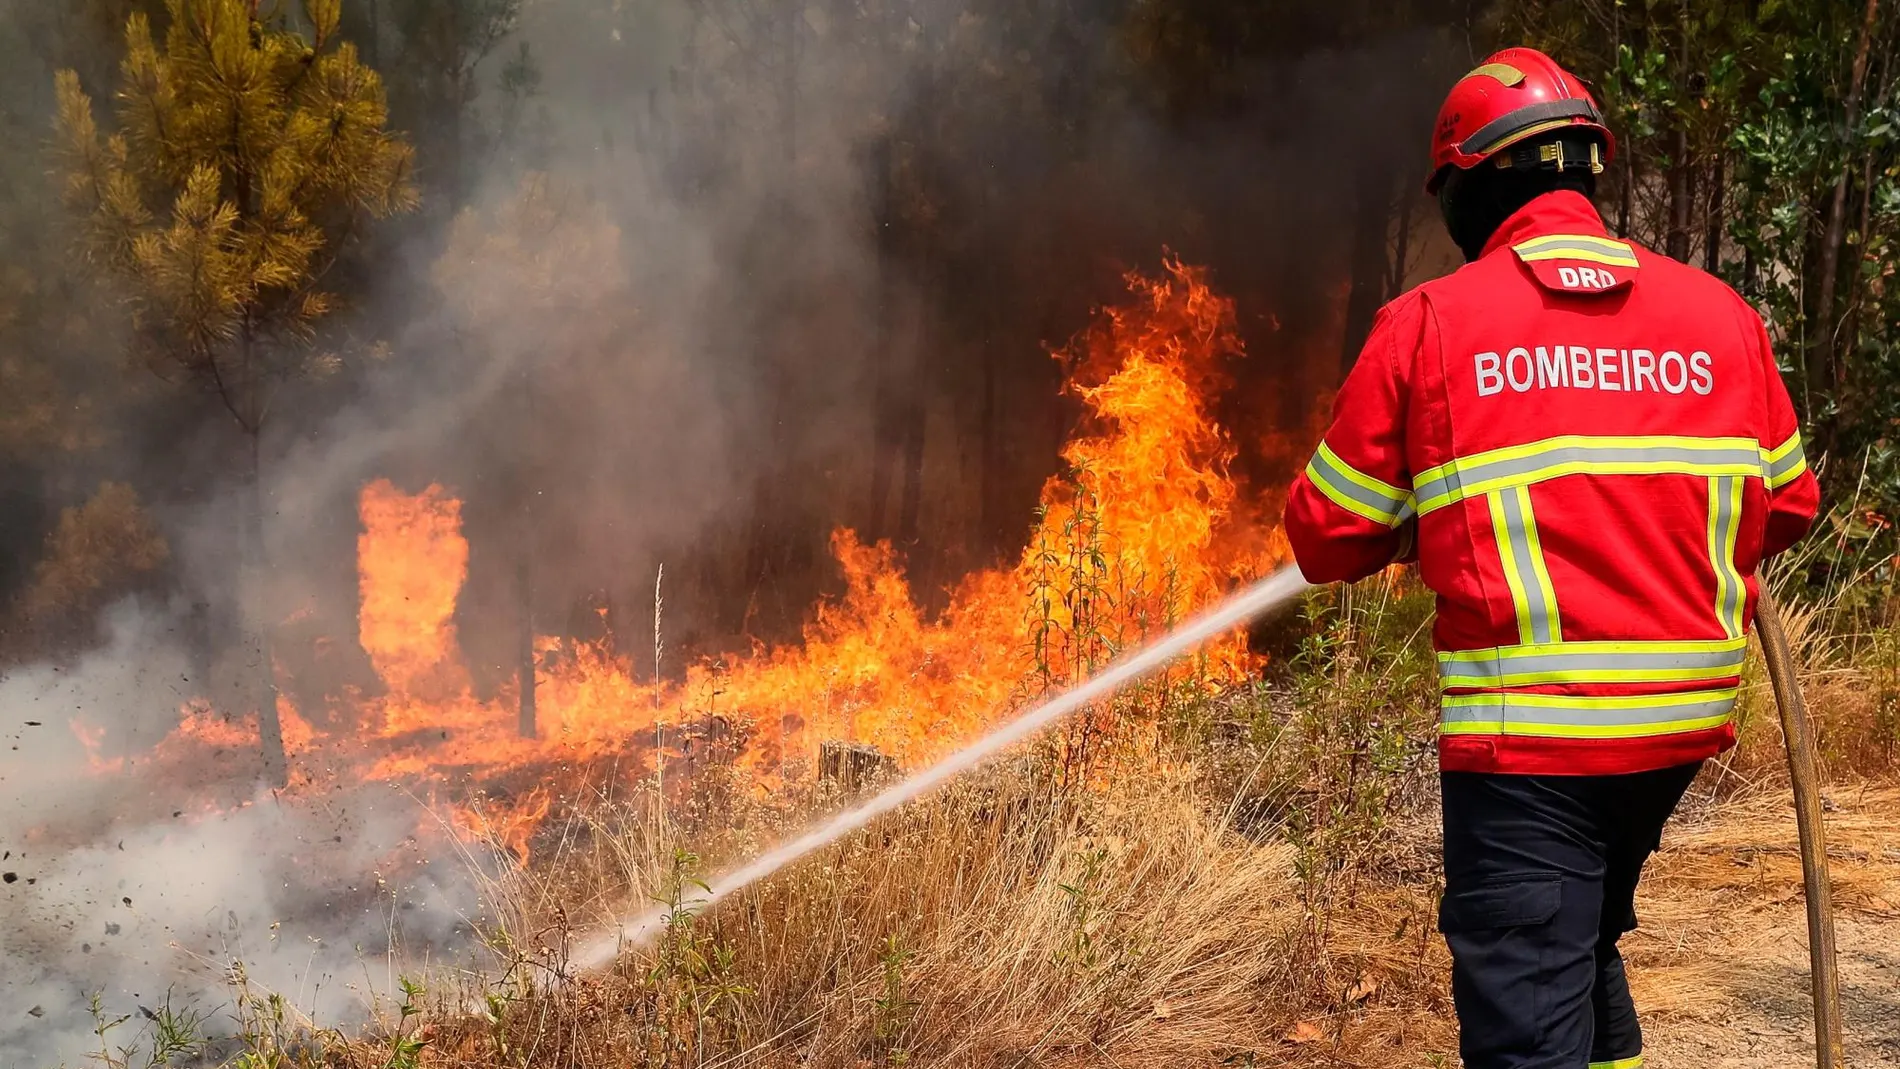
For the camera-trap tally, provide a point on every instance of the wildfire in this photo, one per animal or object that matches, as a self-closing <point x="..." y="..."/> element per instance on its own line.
<point x="1140" y="530"/>
<point x="411" y="560"/>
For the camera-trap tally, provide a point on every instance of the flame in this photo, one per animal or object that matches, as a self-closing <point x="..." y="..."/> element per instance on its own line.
<point x="411" y="560"/>
<point x="1141" y="529"/>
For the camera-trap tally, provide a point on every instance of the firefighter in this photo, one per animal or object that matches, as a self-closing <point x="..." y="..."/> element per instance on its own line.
<point x="1588" y="450"/>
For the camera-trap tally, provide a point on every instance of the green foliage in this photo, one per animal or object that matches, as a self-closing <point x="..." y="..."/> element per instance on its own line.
<point x="894" y="1008"/>
<point x="1740" y="128"/>
<point x="693" y="977"/>
<point x="1348" y="729"/>
<point x="405" y="1048"/>
<point x="1795" y="147"/>
<point x="245" y="153"/>
<point x="170" y="1036"/>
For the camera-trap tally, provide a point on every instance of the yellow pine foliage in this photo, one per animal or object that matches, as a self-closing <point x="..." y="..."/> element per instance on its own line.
<point x="244" y="150"/>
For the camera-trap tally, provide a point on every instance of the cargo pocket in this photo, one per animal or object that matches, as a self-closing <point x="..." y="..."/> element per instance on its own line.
<point x="1516" y="902"/>
<point x="1503" y="941"/>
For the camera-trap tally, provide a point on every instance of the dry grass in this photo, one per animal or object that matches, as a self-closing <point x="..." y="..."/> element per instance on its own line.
<point x="997" y="924"/>
<point x="1251" y="881"/>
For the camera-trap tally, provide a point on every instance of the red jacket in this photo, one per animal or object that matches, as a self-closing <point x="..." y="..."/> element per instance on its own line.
<point x="1598" y="450"/>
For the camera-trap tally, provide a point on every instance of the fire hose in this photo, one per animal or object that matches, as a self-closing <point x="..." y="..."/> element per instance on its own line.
<point x="603" y="948"/>
<point x="1805" y="777"/>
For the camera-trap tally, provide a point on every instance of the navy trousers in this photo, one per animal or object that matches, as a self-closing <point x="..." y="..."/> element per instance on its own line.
<point x="1540" y="883"/>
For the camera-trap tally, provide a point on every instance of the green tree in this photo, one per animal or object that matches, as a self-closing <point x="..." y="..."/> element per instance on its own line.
<point x="1761" y="139"/>
<point x="247" y="151"/>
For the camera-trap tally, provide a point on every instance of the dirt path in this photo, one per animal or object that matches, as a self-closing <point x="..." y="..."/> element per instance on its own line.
<point x="1720" y="966"/>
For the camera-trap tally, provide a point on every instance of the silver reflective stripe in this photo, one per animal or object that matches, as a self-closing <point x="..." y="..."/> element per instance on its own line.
<point x="1783" y="468"/>
<point x="1725" y="506"/>
<point x="1587" y="667"/>
<point x="1536" y="613"/>
<point x="1338" y="482"/>
<point x="1583" y="717"/>
<point x="1453" y="481"/>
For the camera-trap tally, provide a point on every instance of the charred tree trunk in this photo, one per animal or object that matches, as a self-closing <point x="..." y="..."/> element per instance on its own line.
<point x="255" y="565"/>
<point x="375" y="35"/>
<point x="782" y="532"/>
<point x="990" y="419"/>
<point x="884" y="415"/>
<point x="1401" y="247"/>
<point x="918" y="323"/>
<point x="1823" y="371"/>
<point x="910" y="505"/>
<point x="1372" y="221"/>
<point x="525" y="713"/>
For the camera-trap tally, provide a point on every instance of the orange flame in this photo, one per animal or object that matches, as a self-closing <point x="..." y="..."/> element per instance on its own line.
<point x="1140" y="531"/>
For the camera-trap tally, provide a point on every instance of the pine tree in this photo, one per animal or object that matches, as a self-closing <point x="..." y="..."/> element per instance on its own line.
<point x="247" y="150"/>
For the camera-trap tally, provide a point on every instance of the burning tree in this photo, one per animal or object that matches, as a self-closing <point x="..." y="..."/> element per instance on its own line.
<point x="526" y="281"/>
<point x="246" y="153"/>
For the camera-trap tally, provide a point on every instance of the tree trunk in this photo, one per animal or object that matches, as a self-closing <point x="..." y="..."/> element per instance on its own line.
<point x="1626" y="201"/>
<point x="270" y="730"/>
<point x="1681" y="196"/>
<point x="1823" y="371"/>
<point x="884" y="416"/>
<point x="1372" y="220"/>
<point x="990" y="419"/>
<point x="375" y="49"/>
<point x="1718" y="192"/>
<point x="910" y="504"/>
<point x="1401" y="246"/>
<point x="525" y="723"/>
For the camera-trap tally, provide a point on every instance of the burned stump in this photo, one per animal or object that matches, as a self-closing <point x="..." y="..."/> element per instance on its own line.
<point x="852" y="766"/>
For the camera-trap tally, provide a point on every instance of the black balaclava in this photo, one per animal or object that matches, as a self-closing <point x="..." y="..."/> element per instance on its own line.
<point x="1475" y="203"/>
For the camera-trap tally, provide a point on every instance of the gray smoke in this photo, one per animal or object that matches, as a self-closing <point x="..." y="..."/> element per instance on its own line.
<point x="125" y="885"/>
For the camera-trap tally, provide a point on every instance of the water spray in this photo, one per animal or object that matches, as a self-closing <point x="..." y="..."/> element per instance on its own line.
<point x="599" y="951"/>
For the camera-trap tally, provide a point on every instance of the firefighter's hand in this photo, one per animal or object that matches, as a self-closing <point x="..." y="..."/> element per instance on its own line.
<point x="1408" y="543"/>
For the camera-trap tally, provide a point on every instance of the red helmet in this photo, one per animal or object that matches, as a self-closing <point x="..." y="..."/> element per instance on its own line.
<point x="1515" y="94"/>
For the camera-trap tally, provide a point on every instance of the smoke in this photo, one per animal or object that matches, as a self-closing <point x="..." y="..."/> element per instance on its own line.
<point x="691" y="282"/>
<point x="133" y="887"/>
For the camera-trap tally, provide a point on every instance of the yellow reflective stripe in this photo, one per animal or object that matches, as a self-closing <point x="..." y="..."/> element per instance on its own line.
<point x="1355" y="491"/>
<point x="1606" y="647"/>
<point x="1577" y="247"/>
<point x="1725" y="511"/>
<point x="1575" y="454"/>
<point x="1522" y="555"/>
<point x="1779" y="452"/>
<point x="1620" y="1063"/>
<point x="1585" y="717"/>
<point x="1784" y="463"/>
<point x="1592" y="662"/>
<point x="1605" y="259"/>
